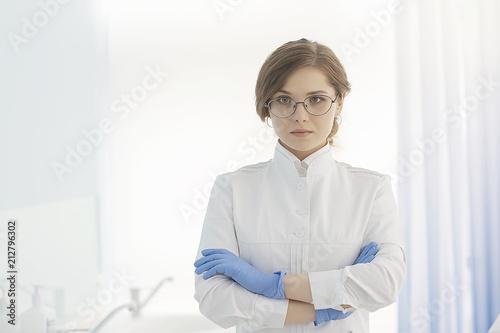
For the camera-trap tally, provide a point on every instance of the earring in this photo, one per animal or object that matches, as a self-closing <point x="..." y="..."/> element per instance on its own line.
<point x="340" y="119"/>
<point x="268" y="122"/>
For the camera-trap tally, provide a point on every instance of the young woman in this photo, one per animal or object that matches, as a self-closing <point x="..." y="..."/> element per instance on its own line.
<point x="302" y="242"/>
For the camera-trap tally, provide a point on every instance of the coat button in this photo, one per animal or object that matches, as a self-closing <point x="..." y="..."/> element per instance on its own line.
<point x="301" y="211"/>
<point x="300" y="185"/>
<point x="299" y="233"/>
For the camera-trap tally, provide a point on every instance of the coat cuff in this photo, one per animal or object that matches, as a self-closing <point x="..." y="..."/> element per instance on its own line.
<point x="327" y="289"/>
<point x="269" y="312"/>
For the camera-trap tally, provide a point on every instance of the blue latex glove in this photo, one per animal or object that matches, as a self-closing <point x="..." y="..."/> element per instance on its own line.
<point x="367" y="255"/>
<point x="323" y="315"/>
<point x="225" y="262"/>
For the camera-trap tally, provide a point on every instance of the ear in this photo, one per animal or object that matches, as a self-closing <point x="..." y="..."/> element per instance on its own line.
<point x="340" y="103"/>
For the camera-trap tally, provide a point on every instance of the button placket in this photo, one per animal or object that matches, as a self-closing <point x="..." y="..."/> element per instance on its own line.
<point x="299" y="233"/>
<point x="302" y="210"/>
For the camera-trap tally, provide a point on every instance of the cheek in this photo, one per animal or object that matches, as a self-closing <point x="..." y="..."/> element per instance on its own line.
<point x="325" y="125"/>
<point x="280" y="125"/>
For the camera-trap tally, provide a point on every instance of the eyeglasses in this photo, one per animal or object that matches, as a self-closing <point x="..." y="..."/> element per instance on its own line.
<point x="317" y="105"/>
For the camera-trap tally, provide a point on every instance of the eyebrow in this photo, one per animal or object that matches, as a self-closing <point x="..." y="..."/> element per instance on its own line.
<point x="310" y="93"/>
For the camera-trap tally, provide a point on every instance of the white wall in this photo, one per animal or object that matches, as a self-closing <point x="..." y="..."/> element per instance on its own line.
<point x="52" y="87"/>
<point x="51" y="90"/>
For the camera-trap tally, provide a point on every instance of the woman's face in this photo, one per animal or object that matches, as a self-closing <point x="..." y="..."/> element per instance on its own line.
<point x="301" y="84"/>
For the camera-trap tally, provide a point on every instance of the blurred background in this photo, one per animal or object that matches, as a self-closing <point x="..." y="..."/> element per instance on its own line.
<point x="116" y="116"/>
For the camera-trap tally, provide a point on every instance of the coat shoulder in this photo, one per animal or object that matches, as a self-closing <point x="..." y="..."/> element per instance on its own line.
<point x="361" y="172"/>
<point x="250" y="169"/>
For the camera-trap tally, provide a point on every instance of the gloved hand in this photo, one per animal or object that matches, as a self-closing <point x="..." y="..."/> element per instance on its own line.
<point x="367" y="255"/>
<point x="323" y="315"/>
<point x="227" y="263"/>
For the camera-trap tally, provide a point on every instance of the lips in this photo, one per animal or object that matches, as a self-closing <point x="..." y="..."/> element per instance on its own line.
<point x="301" y="131"/>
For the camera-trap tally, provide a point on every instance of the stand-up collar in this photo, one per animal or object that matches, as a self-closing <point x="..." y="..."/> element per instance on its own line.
<point x="286" y="162"/>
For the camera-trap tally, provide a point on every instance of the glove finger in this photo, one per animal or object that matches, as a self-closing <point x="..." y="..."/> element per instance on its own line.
<point x="338" y="315"/>
<point x="364" y="250"/>
<point x="211" y="272"/>
<point x="368" y="247"/>
<point x="208" y="265"/>
<point x="370" y="254"/>
<point x="209" y="258"/>
<point x="203" y="268"/>
<point x="360" y="259"/>
<point x="373" y="250"/>
<point x="345" y="315"/>
<point x="215" y="251"/>
<point x="201" y="261"/>
<point x="366" y="259"/>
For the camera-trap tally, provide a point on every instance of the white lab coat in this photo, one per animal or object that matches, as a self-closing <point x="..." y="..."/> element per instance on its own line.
<point x="309" y="217"/>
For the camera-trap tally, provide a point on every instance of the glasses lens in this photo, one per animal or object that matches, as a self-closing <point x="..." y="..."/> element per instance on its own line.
<point x="282" y="106"/>
<point x="318" y="104"/>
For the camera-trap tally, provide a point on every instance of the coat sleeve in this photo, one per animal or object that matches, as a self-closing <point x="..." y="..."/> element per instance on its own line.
<point x="220" y="298"/>
<point x="374" y="285"/>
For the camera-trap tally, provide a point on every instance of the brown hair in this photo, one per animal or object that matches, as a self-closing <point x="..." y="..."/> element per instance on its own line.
<point x="290" y="57"/>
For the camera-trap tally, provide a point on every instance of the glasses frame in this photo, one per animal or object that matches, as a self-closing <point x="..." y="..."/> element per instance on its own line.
<point x="304" y="102"/>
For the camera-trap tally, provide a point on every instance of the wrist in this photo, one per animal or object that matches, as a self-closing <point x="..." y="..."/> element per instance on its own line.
<point x="277" y="290"/>
<point x="321" y="316"/>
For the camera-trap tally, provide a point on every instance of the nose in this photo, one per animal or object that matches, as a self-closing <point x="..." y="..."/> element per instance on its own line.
<point x="300" y="113"/>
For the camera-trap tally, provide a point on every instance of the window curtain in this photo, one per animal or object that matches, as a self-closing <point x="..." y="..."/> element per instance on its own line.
<point x="449" y="163"/>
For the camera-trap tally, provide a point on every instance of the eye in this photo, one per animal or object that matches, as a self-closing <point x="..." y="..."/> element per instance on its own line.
<point x="316" y="99"/>
<point x="283" y="100"/>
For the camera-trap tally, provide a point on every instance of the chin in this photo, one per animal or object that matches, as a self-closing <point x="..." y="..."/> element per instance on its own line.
<point x="302" y="147"/>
